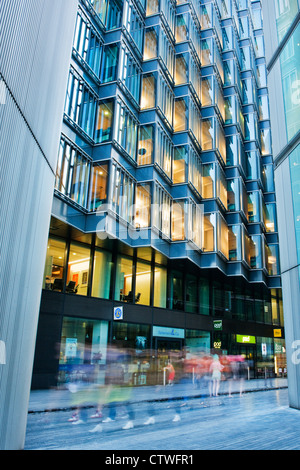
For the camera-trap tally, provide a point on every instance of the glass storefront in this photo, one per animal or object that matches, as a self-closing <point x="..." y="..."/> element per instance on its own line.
<point x="83" y="350"/>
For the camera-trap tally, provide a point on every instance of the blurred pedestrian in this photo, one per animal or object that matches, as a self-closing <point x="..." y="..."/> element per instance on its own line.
<point x="215" y="369"/>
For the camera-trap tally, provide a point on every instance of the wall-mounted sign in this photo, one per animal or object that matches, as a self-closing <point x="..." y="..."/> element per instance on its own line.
<point x="277" y="333"/>
<point x="246" y="339"/>
<point x="118" y="313"/>
<point x="218" y="325"/>
<point x="165" y="332"/>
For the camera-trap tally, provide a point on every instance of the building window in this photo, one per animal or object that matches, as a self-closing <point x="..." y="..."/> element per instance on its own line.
<point x="87" y="43"/>
<point x="80" y="104"/>
<point x="161" y="213"/>
<point x="181" y="69"/>
<point x="142" y="206"/>
<point x="122" y="193"/>
<point x="234" y="243"/>
<point x="165" y="98"/>
<point x="180" y="115"/>
<point x="126" y="130"/>
<point x="180" y="164"/>
<point x="123" y="281"/>
<point x="152" y="7"/>
<point x="142" y="283"/>
<point x="150" y="43"/>
<point x="78" y="269"/>
<point x="209" y="232"/>
<point x="177" y="291"/>
<point x="55" y="265"/>
<point x="130" y="73"/>
<point x="223" y="236"/>
<point x="133" y="23"/>
<point x="103" y="131"/>
<point x="148" y="91"/>
<point x="98" y="186"/>
<point x="272" y="259"/>
<point x="160" y="287"/>
<point x="102" y="274"/>
<point x="195" y="170"/>
<point x="178" y="220"/>
<point x="110" y="63"/>
<point x="208" y="181"/>
<point x="254" y="206"/>
<point x="163" y="151"/>
<point x="191" y="299"/>
<point x="72" y="173"/>
<point x="145" y="145"/>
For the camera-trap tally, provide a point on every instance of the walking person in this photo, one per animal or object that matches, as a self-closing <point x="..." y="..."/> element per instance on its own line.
<point x="216" y="369"/>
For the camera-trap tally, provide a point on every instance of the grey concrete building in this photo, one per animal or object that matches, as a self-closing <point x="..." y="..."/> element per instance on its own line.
<point x="282" y="40"/>
<point x="35" y="48"/>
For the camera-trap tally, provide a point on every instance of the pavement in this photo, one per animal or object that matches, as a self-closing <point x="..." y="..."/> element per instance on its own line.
<point x="56" y="399"/>
<point x="259" y="419"/>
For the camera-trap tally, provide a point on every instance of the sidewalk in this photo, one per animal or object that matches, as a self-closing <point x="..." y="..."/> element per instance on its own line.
<point x="62" y="400"/>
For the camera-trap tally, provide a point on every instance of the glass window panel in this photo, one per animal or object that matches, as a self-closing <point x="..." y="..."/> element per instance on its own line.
<point x="110" y="63"/>
<point x="181" y="69"/>
<point x="179" y="164"/>
<point x="123" y="287"/>
<point x="148" y="92"/>
<point x="103" y="131"/>
<point x="178" y="225"/>
<point x="254" y="206"/>
<point x="160" y="287"/>
<point x="265" y="138"/>
<point x="142" y="288"/>
<point x="152" y="7"/>
<point x="234" y="243"/>
<point x="142" y="206"/>
<point x="272" y="260"/>
<point x="145" y="145"/>
<point x="207" y="91"/>
<point x="182" y="27"/>
<point x="223" y="237"/>
<point x="209" y="232"/>
<point x="54" y="265"/>
<point x="177" y="290"/>
<point x="78" y="269"/>
<point x="208" y="181"/>
<point x="102" y="274"/>
<point x="180" y="115"/>
<point x="207" y="134"/>
<point x="150" y="44"/>
<point x="191" y="301"/>
<point x="255" y="252"/>
<point x="83" y="343"/>
<point x="98" y="188"/>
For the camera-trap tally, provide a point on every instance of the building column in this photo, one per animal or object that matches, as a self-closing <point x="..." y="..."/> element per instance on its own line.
<point x="35" y="50"/>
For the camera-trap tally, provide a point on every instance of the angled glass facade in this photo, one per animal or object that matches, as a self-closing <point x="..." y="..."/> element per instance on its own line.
<point x="164" y="198"/>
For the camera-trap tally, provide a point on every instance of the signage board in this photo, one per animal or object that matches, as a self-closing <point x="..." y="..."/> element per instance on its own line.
<point x="218" y="325"/>
<point x="166" y="332"/>
<point x="277" y="333"/>
<point x="246" y="339"/>
<point x="118" y="313"/>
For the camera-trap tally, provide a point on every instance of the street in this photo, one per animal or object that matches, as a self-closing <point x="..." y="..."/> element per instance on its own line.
<point x="260" y="420"/>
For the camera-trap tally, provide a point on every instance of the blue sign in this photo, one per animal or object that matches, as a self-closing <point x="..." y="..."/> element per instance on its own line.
<point x="166" y="332"/>
<point x="118" y="313"/>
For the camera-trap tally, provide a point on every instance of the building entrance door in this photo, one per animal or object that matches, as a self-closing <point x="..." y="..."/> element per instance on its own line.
<point x="249" y="352"/>
<point x="168" y="350"/>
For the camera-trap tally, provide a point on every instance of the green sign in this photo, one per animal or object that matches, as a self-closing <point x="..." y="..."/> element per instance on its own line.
<point x="218" y="325"/>
<point x="246" y="339"/>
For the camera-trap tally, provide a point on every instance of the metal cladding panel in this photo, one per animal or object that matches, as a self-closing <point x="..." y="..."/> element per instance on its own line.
<point x="35" y="47"/>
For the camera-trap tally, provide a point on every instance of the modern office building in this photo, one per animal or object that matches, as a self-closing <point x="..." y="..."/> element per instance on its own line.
<point x="163" y="236"/>
<point x="35" y="46"/>
<point x="282" y="33"/>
